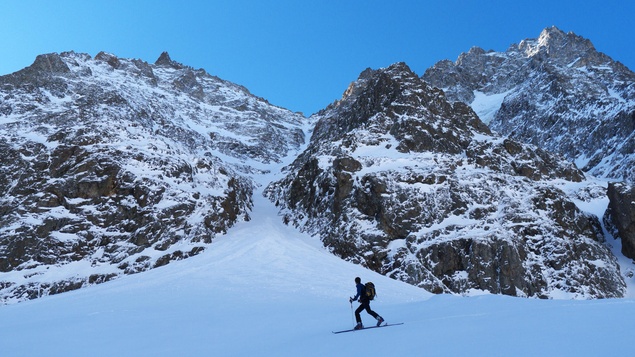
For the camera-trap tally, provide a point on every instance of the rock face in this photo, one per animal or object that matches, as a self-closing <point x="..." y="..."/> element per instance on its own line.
<point x="112" y="166"/>
<point x="621" y="215"/>
<point x="556" y="92"/>
<point x="404" y="182"/>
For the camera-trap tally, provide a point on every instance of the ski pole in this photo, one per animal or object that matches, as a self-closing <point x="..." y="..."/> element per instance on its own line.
<point x="352" y="314"/>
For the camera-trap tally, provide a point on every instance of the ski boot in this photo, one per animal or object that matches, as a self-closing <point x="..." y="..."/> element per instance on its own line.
<point x="380" y="320"/>
<point x="359" y="326"/>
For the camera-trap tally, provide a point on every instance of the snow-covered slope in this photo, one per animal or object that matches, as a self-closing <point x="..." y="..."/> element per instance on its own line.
<point x="267" y="290"/>
<point x="113" y="166"/>
<point x="555" y="91"/>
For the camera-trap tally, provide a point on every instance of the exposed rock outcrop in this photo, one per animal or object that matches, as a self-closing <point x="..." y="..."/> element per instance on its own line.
<point x="113" y="166"/>
<point x="556" y="92"/>
<point x="400" y="180"/>
<point x="621" y="215"/>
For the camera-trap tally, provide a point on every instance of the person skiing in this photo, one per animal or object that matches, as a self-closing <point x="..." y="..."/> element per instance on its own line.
<point x="364" y="305"/>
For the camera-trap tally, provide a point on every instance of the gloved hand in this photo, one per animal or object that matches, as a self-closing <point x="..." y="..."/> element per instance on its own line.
<point x="350" y="299"/>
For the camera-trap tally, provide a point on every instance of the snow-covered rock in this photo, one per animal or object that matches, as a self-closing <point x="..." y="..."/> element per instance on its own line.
<point x="113" y="166"/>
<point x="620" y="215"/>
<point x="408" y="184"/>
<point x="557" y="92"/>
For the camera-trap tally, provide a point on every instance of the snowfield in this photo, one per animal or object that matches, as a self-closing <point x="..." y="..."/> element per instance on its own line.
<point x="266" y="290"/>
<point x="486" y="105"/>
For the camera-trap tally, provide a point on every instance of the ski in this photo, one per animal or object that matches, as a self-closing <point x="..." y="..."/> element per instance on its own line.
<point x="366" y="328"/>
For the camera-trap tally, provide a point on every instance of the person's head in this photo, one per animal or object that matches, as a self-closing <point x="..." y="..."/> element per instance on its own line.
<point x="358" y="280"/>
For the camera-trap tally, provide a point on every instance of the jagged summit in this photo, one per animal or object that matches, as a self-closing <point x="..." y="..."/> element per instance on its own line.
<point x="559" y="45"/>
<point x="50" y="63"/>
<point x="44" y="66"/>
<point x="165" y="60"/>
<point x="380" y="97"/>
<point x="396" y="70"/>
<point x="556" y="91"/>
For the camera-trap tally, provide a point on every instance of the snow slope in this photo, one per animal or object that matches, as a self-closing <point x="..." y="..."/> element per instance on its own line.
<point x="111" y="166"/>
<point x="267" y="290"/>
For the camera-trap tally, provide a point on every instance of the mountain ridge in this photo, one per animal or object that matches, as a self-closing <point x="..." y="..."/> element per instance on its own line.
<point x="419" y="189"/>
<point x="116" y="166"/>
<point x="556" y="91"/>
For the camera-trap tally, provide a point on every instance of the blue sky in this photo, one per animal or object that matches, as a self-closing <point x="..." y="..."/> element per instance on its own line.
<point x="300" y="55"/>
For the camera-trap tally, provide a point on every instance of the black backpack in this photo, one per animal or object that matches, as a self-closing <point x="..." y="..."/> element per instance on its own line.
<point x="370" y="290"/>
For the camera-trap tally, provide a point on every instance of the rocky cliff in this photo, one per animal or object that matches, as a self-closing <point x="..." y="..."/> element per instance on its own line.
<point x="555" y="91"/>
<point x="620" y="215"/>
<point x="113" y="166"/>
<point x="401" y="180"/>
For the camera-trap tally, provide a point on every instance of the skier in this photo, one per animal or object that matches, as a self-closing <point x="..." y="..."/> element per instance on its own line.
<point x="364" y="305"/>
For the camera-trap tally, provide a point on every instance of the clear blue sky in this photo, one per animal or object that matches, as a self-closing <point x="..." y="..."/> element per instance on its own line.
<point x="300" y="54"/>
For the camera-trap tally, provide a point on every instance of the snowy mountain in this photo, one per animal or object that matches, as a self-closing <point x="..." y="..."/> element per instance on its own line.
<point x="113" y="166"/>
<point x="557" y="92"/>
<point x="262" y="288"/>
<point x="400" y="180"/>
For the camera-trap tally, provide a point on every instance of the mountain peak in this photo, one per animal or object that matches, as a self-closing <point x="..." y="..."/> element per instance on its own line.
<point x="554" y="38"/>
<point x="395" y="69"/>
<point x="399" y="67"/>
<point x="109" y="58"/>
<point x="376" y="78"/>
<point x="50" y="63"/>
<point x="558" y="77"/>
<point x="552" y="32"/>
<point x="556" y="43"/>
<point x="165" y="60"/>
